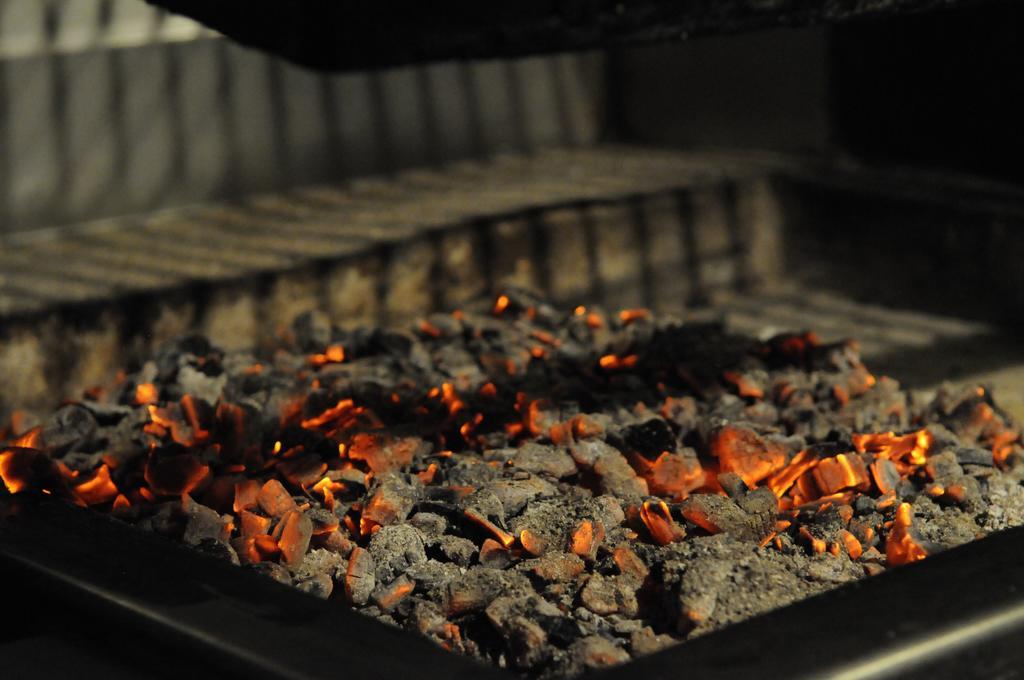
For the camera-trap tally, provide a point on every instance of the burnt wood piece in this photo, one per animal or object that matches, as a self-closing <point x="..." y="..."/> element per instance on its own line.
<point x="155" y="592"/>
<point x="340" y="35"/>
<point x="902" y="623"/>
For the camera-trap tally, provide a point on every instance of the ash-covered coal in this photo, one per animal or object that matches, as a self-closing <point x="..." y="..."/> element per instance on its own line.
<point x="546" y="491"/>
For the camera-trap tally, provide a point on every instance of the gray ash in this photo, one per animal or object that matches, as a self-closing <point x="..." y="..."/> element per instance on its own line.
<point x="545" y="491"/>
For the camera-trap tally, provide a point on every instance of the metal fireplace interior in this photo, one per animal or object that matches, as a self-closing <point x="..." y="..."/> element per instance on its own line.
<point x="179" y="168"/>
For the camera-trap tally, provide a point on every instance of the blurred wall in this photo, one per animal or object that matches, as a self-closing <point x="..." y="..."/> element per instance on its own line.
<point x="109" y="107"/>
<point x="765" y="90"/>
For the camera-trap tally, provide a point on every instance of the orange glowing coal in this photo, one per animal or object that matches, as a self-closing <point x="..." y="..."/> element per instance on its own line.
<point x="451" y="398"/>
<point x="612" y="362"/>
<point x="583" y="538"/>
<point x="782" y="480"/>
<point x="99" y="489"/>
<point x="746" y="453"/>
<point x="841" y="472"/>
<point x="744" y="387"/>
<point x="658" y="520"/>
<point x="671" y="474"/>
<point x="628" y="316"/>
<point x="911" y="448"/>
<point x="334" y="354"/>
<point x="344" y="407"/>
<point x="900" y="546"/>
<point x="33" y="439"/>
<point x="146" y="393"/>
<point x="15" y="468"/>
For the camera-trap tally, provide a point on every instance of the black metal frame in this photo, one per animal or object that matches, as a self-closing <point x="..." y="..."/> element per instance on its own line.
<point x="356" y="35"/>
<point x="958" y="614"/>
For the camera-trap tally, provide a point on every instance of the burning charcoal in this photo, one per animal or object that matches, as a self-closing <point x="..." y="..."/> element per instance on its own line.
<point x="630" y="565"/>
<point x="513" y="483"/>
<point x="217" y="549"/>
<point x="246" y="495"/>
<point x="494" y="554"/>
<point x="384" y="454"/>
<point x="902" y="545"/>
<point x="614" y="472"/>
<point x="840" y="472"/>
<point x="296" y="532"/>
<point x="746" y="453"/>
<point x="319" y="586"/>
<point x="483" y="509"/>
<point x="274" y="499"/>
<point x="392" y="499"/>
<point x="606" y="595"/>
<point x="587" y="538"/>
<point x="389" y="596"/>
<point x="252" y="524"/>
<point x="645" y="641"/>
<point x="245" y="548"/>
<point x="394" y="549"/>
<point x="538" y="459"/>
<point x="717" y="514"/>
<point x="68" y="428"/>
<point x="360" y="579"/>
<point x="672" y="474"/>
<point x="886" y="475"/>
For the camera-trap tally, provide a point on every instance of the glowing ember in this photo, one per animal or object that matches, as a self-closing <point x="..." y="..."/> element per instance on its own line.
<point x="99" y="489"/>
<point x="146" y="393"/>
<point x="910" y="448"/>
<point x="335" y="354"/>
<point x="610" y="362"/>
<point x="900" y="546"/>
<point x="744" y="452"/>
<point x="658" y="520"/>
